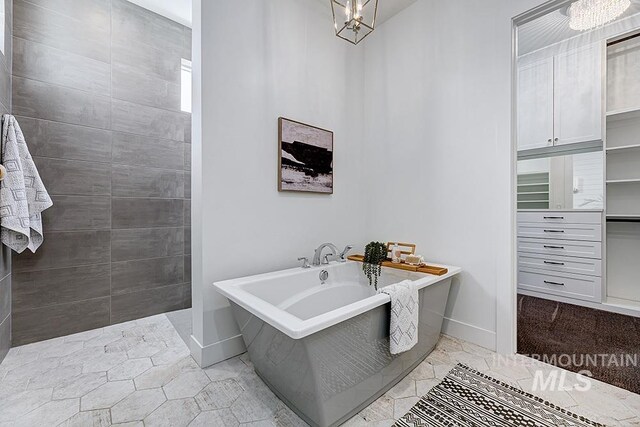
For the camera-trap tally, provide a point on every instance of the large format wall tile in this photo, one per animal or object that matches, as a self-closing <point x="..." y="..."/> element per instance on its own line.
<point x="41" y="62"/>
<point x="133" y="86"/>
<point x="136" y="181"/>
<point x="145" y="243"/>
<point x="144" y="213"/>
<point x="71" y="177"/>
<point x="133" y="24"/>
<point x="70" y="213"/>
<point x="187" y="157"/>
<point x="5" y="261"/>
<point x="5" y="337"/>
<point x="132" y="276"/>
<point x="80" y="36"/>
<point x="149" y="302"/>
<point x="187" y="185"/>
<point x="147" y="121"/>
<point x="5" y="83"/>
<point x="95" y="12"/>
<point x="147" y="60"/>
<point x="67" y="249"/>
<point x="5" y="296"/>
<point x="46" y="101"/>
<point x="62" y="285"/>
<point x="59" y="320"/>
<point x="65" y="141"/>
<point x="187" y="43"/>
<point x="187" y="241"/>
<point x="136" y="150"/>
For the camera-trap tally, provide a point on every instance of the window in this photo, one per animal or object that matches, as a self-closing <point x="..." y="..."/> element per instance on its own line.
<point x="185" y="73"/>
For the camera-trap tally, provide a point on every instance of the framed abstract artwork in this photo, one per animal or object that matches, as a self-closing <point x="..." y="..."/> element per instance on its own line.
<point x="305" y="159"/>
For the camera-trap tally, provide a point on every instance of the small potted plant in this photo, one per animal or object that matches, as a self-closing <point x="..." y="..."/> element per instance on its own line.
<point x="374" y="254"/>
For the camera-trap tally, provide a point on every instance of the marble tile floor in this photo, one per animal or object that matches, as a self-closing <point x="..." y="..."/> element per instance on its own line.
<point x="140" y="373"/>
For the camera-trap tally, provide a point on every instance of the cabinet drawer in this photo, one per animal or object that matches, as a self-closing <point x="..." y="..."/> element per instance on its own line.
<point x="588" y="266"/>
<point x="574" y="248"/>
<point x="555" y="217"/>
<point x="589" y="232"/>
<point x="569" y="285"/>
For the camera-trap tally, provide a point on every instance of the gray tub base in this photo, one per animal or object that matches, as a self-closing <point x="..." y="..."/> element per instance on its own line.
<point x="328" y="377"/>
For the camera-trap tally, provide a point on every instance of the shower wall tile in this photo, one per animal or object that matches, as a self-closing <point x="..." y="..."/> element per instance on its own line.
<point x="97" y="12"/>
<point x="65" y="141"/>
<point x="80" y="36"/>
<point x="187" y="157"/>
<point x="136" y="181"/>
<point x="132" y="276"/>
<point x="148" y="60"/>
<point x="187" y="214"/>
<point x="50" y="65"/>
<point x="132" y="22"/>
<point x="61" y="285"/>
<point x="5" y="262"/>
<point x="147" y="121"/>
<point x="5" y="337"/>
<point x="149" y="302"/>
<point x="5" y="296"/>
<point x="72" y="177"/>
<point x="46" y="101"/>
<point x="187" y="36"/>
<point x="187" y="269"/>
<point x="59" y="320"/>
<point x="187" y="241"/>
<point x="67" y="249"/>
<point x="187" y="185"/>
<point x="135" y="150"/>
<point x="145" y="213"/>
<point x="130" y="85"/>
<point x="70" y="213"/>
<point x="97" y="92"/>
<point x="146" y="243"/>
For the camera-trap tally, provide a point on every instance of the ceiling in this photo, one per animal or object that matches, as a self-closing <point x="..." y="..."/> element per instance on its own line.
<point x="554" y="28"/>
<point x="176" y="10"/>
<point x="180" y="10"/>
<point x="386" y="8"/>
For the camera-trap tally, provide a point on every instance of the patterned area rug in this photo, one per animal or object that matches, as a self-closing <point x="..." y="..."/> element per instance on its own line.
<point x="469" y="398"/>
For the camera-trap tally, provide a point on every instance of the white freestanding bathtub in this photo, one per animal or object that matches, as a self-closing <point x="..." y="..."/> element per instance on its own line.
<point x="323" y="348"/>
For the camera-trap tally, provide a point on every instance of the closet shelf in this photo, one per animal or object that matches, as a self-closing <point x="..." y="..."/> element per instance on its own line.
<point x="624" y="114"/>
<point x="623" y="181"/>
<point x="624" y="148"/>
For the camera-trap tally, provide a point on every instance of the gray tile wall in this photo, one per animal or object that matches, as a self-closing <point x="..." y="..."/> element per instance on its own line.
<point x="5" y="254"/>
<point x="97" y="93"/>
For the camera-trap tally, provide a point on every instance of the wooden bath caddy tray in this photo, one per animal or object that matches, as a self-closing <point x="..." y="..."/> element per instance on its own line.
<point x="429" y="269"/>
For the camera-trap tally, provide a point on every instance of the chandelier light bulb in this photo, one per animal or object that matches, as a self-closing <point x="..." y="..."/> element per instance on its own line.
<point x="589" y="14"/>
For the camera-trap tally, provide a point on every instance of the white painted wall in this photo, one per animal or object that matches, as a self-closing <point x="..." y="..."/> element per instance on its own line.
<point x="280" y="59"/>
<point x="426" y="141"/>
<point x="438" y="113"/>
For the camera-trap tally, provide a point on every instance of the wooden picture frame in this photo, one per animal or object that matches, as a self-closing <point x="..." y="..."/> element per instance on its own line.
<point x="305" y="158"/>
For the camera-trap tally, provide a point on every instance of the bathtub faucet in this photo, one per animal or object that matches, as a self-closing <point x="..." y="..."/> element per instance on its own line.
<point x="317" y="256"/>
<point x="342" y="255"/>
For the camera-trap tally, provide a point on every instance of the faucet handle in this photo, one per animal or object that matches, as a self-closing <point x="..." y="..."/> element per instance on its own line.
<point x="342" y="255"/>
<point x="305" y="263"/>
<point x="325" y="260"/>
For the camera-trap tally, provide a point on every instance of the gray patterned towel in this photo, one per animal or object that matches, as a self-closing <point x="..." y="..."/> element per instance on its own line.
<point x="23" y="196"/>
<point x="403" y="331"/>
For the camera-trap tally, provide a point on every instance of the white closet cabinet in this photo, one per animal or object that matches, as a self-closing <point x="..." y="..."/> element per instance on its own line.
<point x="560" y="99"/>
<point x="535" y="105"/>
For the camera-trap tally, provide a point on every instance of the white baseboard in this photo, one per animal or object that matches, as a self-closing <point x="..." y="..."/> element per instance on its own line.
<point x="217" y="352"/>
<point x="473" y="334"/>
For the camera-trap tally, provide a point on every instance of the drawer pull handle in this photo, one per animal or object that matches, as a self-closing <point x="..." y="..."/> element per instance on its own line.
<point x="553" y="217"/>
<point x="553" y="283"/>
<point x="553" y="247"/>
<point x="554" y="263"/>
<point x="554" y="231"/>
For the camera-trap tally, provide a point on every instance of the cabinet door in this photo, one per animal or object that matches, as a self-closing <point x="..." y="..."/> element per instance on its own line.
<point x="578" y="95"/>
<point x="535" y="104"/>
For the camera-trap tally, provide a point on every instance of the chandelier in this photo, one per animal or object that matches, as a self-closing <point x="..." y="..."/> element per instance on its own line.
<point x="354" y="19"/>
<point x="589" y="14"/>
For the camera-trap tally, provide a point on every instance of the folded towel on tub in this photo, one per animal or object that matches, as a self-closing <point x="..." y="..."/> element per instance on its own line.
<point x="403" y="329"/>
<point x="23" y="196"/>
